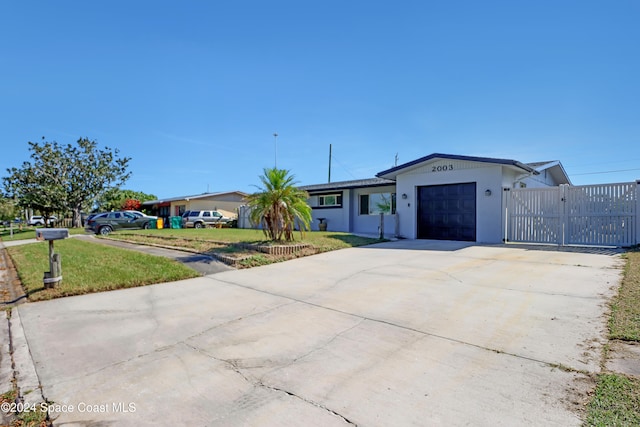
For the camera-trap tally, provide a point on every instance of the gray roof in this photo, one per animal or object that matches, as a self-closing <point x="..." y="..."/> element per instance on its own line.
<point x="196" y="196"/>
<point x="345" y="185"/>
<point x="536" y="165"/>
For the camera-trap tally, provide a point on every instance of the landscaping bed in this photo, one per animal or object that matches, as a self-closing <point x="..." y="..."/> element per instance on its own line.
<point x="243" y="248"/>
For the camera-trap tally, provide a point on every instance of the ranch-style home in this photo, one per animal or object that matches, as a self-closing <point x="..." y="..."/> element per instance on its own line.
<point x="479" y="199"/>
<point x="226" y="203"/>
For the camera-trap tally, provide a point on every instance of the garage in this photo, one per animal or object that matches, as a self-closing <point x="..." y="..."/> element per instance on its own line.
<point x="447" y="212"/>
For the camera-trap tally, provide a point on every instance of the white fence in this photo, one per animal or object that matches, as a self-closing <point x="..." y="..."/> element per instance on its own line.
<point x="599" y="215"/>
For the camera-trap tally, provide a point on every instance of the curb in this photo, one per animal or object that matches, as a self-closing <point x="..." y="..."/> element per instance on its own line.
<point x="24" y="371"/>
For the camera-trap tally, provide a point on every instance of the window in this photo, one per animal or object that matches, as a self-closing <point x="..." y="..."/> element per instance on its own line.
<point x="377" y="203"/>
<point x="330" y="200"/>
<point x="206" y="214"/>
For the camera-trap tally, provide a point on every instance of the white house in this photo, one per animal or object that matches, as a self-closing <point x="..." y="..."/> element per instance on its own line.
<point x="439" y="196"/>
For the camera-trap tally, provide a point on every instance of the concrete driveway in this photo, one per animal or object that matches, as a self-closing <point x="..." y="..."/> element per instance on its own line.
<point x="401" y="333"/>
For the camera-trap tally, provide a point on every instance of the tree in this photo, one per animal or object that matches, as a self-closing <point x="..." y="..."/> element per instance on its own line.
<point x="278" y="204"/>
<point x="9" y="209"/>
<point x="39" y="185"/>
<point x="65" y="177"/>
<point x="115" y="198"/>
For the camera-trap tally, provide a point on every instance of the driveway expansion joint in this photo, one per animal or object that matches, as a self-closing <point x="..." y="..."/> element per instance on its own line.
<point x="408" y="328"/>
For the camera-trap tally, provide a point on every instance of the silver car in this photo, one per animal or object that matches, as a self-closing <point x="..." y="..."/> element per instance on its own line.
<point x="201" y="219"/>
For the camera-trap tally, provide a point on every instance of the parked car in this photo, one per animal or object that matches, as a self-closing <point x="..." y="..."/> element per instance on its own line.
<point x="105" y="223"/>
<point x="38" y="220"/>
<point x="200" y="219"/>
<point x="140" y="214"/>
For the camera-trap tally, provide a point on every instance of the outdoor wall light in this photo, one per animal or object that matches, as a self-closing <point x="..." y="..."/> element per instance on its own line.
<point x="404" y="195"/>
<point x="487" y="192"/>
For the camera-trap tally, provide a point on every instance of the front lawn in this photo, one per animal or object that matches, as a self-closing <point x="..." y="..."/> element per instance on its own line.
<point x="324" y="240"/>
<point x="87" y="268"/>
<point x="28" y="233"/>
<point x="232" y="243"/>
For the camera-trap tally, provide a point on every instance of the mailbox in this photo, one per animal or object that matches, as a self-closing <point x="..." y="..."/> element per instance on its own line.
<point x="52" y="233"/>
<point x="54" y="275"/>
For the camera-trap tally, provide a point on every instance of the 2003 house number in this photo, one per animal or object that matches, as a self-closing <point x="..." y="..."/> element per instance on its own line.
<point x="442" y="168"/>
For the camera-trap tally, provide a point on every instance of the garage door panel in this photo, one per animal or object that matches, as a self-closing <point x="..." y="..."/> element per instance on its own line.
<point x="447" y="212"/>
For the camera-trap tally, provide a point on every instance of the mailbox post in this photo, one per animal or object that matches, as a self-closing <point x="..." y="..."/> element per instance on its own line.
<point x="54" y="275"/>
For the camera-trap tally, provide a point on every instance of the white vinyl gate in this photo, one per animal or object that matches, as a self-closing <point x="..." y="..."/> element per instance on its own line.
<point x="600" y="215"/>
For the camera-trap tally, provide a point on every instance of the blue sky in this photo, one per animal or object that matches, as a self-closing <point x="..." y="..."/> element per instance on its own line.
<point x="193" y="91"/>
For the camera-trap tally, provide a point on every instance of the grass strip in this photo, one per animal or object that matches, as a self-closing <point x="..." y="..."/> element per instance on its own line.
<point x="616" y="402"/>
<point x="88" y="268"/>
<point x="624" y="323"/>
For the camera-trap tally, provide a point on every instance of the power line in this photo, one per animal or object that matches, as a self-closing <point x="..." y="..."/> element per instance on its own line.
<point x="597" y="173"/>
<point x="343" y="167"/>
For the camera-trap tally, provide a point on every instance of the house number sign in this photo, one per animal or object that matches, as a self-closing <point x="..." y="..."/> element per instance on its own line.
<point x="442" y="168"/>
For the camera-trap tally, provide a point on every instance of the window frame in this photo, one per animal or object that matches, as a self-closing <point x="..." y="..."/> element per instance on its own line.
<point x="392" y="201"/>
<point x="337" y="194"/>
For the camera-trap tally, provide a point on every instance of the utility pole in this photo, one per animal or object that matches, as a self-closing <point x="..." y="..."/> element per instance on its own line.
<point x="396" y="160"/>
<point x="329" y="163"/>
<point x="275" y="143"/>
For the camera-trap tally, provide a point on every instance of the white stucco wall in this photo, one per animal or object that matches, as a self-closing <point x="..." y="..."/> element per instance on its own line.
<point x="488" y="208"/>
<point x="370" y="224"/>
<point x="337" y="219"/>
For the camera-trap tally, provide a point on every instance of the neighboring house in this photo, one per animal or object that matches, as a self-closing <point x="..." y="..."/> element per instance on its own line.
<point x="225" y="202"/>
<point x="439" y="196"/>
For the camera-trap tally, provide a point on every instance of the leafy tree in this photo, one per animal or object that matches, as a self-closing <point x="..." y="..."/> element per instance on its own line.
<point x="65" y="177"/>
<point x="8" y="209"/>
<point x="278" y="204"/>
<point x="115" y="198"/>
<point x="92" y="172"/>
<point x="39" y="184"/>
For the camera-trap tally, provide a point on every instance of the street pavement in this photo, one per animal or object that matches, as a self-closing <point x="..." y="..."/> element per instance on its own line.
<point x="399" y="333"/>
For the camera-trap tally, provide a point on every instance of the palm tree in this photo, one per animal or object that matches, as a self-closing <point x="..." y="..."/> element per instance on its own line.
<point x="278" y="204"/>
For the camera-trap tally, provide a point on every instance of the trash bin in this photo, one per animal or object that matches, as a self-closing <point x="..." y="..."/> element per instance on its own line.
<point x="152" y="224"/>
<point x="160" y="223"/>
<point x="176" y="222"/>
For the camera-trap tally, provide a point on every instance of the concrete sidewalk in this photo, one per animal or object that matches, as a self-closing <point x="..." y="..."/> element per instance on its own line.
<point x="400" y="333"/>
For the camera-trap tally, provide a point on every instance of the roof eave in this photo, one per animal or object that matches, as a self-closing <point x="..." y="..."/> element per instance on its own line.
<point x="393" y="172"/>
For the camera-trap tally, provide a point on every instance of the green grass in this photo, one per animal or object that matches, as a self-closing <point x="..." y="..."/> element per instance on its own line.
<point x="616" y="402"/>
<point x="28" y="233"/>
<point x="624" y="323"/>
<point x="226" y="242"/>
<point x="323" y="241"/>
<point x="88" y="267"/>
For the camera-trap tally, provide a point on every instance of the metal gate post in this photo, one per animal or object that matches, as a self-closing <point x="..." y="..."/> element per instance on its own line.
<point x="506" y="192"/>
<point x="564" y="215"/>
